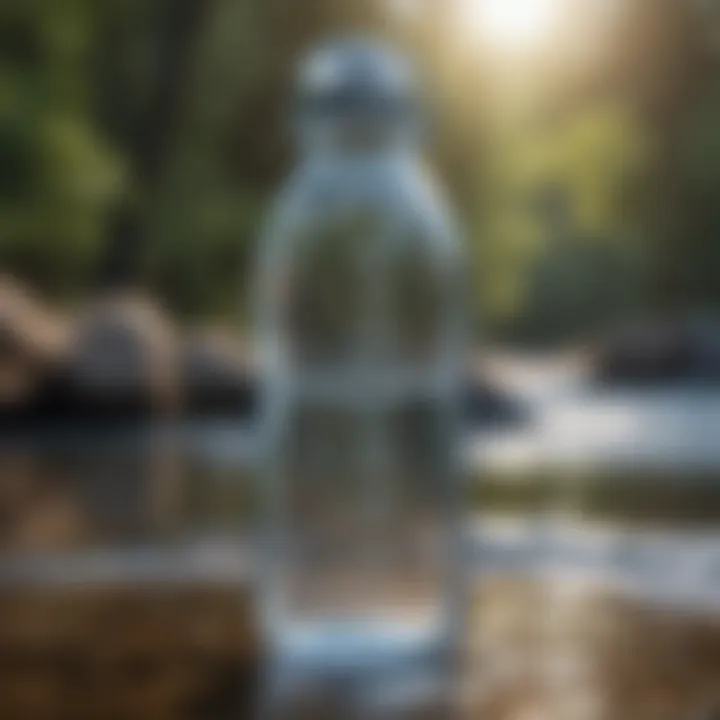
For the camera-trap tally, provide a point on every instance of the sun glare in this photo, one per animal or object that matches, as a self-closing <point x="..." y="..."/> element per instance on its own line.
<point x="512" y="24"/>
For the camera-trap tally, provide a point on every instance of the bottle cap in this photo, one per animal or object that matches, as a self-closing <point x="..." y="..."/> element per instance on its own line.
<point x="356" y="79"/>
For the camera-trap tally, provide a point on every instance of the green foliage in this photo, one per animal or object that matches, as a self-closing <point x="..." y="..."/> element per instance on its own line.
<point x="557" y="247"/>
<point x="588" y="178"/>
<point x="58" y="173"/>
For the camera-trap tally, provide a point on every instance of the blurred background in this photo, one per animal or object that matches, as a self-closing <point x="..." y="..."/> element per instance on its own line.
<point x="140" y="144"/>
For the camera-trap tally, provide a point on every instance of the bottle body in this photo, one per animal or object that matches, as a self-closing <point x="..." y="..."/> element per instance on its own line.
<point x="362" y="331"/>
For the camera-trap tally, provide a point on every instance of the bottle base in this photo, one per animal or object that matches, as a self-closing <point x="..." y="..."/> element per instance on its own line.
<point x="357" y="671"/>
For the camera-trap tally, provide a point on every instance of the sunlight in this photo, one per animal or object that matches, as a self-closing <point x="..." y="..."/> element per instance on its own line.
<point x="512" y="24"/>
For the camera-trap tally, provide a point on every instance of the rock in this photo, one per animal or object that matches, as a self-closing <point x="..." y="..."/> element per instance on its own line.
<point x="123" y="359"/>
<point x="216" y="375"/>
<point x="190" y="649"/>
<point x="490" y="406"/>
<point x="172" y="652"/>
<point x="32" y="340"/>
<point x="661" y="352"/>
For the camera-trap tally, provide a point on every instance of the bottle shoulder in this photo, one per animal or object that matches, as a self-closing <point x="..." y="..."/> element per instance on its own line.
<point x="319" y="190"/>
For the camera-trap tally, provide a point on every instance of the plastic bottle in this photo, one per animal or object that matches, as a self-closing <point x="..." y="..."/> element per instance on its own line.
<point x="360" y="318"/>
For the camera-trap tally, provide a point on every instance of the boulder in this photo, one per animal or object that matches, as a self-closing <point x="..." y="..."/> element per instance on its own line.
<point x="32" y="340"/>
<point x="216" y="374"/>
<point x="660" y="352"/>
<point x="123" y="359"/>
<point x="488" y="405"/>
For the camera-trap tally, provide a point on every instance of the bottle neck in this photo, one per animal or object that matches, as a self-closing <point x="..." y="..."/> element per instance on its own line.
<point x="348" y="140"/>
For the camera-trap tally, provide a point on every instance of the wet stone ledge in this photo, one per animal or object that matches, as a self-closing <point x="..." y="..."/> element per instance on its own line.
<point x="121" y="643"/>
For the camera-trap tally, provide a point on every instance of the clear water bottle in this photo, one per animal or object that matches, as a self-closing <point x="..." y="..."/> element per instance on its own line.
<point x="361" y="339"/>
